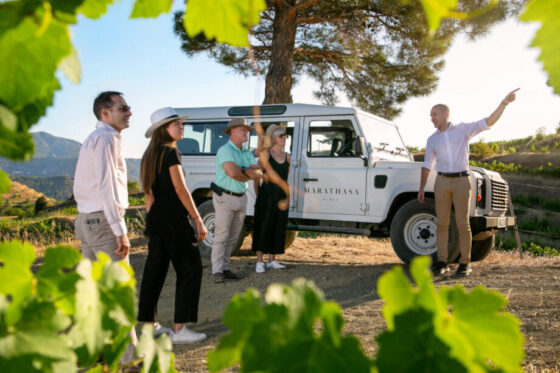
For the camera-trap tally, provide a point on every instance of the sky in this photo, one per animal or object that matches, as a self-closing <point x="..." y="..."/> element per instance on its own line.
<point x="142" y="59"/>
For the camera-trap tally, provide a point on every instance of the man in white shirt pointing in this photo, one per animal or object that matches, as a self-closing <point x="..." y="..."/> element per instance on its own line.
<point x="100" y="182"/>
<point x="448" y="148"/>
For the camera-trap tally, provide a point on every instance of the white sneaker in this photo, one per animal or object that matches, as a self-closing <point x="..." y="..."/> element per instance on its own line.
<point x="186" y="336"/>
<point x="159" y="330"/>
<point x="260" y="267"/>
<point x="275" y="265"/>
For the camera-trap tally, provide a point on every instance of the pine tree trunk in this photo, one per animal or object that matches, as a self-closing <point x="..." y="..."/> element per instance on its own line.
<point x="279" y="77"/>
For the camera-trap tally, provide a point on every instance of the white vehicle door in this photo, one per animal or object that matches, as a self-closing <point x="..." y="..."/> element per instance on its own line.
<point x="331" y="178"/>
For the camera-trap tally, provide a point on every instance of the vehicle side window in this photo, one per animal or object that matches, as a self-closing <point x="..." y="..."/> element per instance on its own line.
<point x="289" y="125"/>
<point x="331" y="138"/>
<point x="202" y="138"/>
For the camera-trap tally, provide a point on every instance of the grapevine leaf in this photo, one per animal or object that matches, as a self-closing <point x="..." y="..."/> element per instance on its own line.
<point x="241" y="315"/>
<point x="55" y="281"/>
<point x="15" y="145"/>
<point x="546" y="12"/>
<point x="7" y="118"/>
<point x="70" y="66"/>
<point x="157" y="353"/>
<point x="231" y="21"/>
<point x="280" y="336"/>
<point x="423" y="350"/>
<point x="87" y="335"/>
<point x="94" y="8"/>
<point x="150" y="8"/>
<point x="16" y="279"/>
<point x="5" y="183"/>
<point x="397" y="292"/>
<point x="24" y="83"/>
<point x="493" y="334"/>
<point x="35" y="341"/>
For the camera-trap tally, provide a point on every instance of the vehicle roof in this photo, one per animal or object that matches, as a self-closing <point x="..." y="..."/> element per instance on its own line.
<point x="292" y="110"/>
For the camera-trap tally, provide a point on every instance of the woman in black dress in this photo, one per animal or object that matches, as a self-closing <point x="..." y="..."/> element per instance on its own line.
<point x="269" y="234"/>
<point x="169" y="206"/>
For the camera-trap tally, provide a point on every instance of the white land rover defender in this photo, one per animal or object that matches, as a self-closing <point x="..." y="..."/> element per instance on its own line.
<point x="350" y="173"/>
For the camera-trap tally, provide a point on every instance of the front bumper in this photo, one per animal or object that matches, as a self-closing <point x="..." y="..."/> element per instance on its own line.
<point x="485" y="223"/>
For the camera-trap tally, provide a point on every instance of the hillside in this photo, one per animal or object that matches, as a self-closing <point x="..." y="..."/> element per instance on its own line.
<point x="55" y="156"/>
<point x="22" y="194"/>
<point x="57" y="187"/>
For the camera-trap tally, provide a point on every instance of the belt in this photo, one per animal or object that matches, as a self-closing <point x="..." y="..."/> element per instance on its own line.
<point x="454" y="174"/>
<point x="233" y="193"/>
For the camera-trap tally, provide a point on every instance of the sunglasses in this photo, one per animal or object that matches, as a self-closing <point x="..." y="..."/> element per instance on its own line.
<point x="282" y="136"/>
<point x="124" y="108"/>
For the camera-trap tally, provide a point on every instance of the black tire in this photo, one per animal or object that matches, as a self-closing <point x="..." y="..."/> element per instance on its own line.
<point x="481" y="249"/>
<point x="208" y="215"/>
<point x="414" y="232"/>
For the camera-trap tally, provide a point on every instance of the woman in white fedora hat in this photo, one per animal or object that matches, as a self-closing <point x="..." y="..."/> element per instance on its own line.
<point x="270" y="221"/>
<point x="169" y="205"/>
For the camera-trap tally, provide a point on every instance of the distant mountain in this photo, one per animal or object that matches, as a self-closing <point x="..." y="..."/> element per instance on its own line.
<point x="49" y="146"/>
<point x="56" y="156"/>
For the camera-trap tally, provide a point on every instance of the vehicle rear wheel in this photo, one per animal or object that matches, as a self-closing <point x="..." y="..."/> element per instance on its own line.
<point x="414" y="232"/>
<point x="481" y="249"/>
<point x="208" y="215"/>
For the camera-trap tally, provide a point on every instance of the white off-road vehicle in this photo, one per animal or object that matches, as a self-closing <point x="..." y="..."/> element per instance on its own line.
<point x="350" y="173"/>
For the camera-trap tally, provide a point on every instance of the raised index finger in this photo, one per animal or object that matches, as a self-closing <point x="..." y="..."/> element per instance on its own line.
<point x="515" y="90"/>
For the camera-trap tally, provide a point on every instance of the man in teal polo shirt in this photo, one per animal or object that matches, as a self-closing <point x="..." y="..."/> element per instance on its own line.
<point x="235" y="166"/>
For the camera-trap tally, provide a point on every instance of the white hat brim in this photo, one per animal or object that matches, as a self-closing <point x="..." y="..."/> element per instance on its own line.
<point x="150" y="131"/>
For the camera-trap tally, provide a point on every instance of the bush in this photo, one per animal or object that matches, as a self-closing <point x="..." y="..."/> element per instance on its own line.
<point x="41" y="204"/>
<point x="481" y="149"/>
<point x="14" y="211"/>
<point x="133" y="186"/>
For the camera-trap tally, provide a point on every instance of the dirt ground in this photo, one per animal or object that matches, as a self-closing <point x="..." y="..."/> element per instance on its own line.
<point x="347" y="270"/>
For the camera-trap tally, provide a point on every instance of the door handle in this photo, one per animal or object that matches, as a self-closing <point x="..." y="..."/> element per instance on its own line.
<point x="306" y="179"/>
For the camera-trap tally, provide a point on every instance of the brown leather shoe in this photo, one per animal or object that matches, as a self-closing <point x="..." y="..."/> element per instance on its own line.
<point x="231" y="275"/>
<point x="218" y="278"/>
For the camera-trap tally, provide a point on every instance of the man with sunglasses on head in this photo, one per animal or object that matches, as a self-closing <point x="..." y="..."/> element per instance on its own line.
<point x="100" y="187"/>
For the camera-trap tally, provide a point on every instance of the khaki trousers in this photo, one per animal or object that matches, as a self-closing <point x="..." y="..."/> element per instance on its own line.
<point x="456" y="191"/>
<point x="96" y="235"/>
<point x="230" y="216"/>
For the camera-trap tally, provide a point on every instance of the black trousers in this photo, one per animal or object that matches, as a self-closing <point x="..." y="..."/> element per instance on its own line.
<point x="171" y="240"/>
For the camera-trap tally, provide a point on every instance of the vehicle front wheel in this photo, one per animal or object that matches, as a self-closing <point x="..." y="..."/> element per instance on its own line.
<point x="414" y="232"/>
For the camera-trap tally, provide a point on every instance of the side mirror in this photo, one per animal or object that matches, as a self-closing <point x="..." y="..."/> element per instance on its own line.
<point x="359" y="147"/>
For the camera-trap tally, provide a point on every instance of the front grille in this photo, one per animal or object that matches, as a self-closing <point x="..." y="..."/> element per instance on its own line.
<point x="499" y="196"/>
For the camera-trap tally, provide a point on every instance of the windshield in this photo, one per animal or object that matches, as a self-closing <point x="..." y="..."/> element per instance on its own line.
<point x="383" y="136"/>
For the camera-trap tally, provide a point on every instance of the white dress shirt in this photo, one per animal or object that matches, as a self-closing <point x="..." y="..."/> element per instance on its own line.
<point x="100" y="182"/>
<point x="449" y="149"/>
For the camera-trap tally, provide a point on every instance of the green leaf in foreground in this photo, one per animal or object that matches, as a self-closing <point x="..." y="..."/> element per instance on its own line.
<point x="150" y="8"/>
<point x="5" y="183"/>
<point x="280" y="335"/>
<point x="16" y="279"/>
<point x="470" y="328"/>
<point x="105" y="307"/>
<point x="546" y="12"/>
<point x="157" y="353"/>
<point x="56" y="280"/>
<point x="231" y="19"/>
